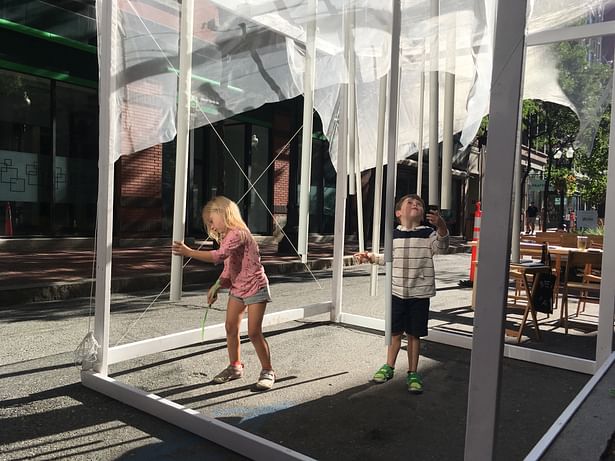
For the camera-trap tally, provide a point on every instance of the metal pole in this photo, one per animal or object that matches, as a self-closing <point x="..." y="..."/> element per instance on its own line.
<point x="419" y="170"/>
<point x="446" y="200"/>
<point x="358" y="179"/>
<point x="351" y="101"/>
<point x="340" y="207"/>
<point x="391" y="166"/>
<point x="382" y="106"/>
<point x="434" y="83"/>
<point x="516" y="227"/>
<point x="306" y="140"/>
<point x="181" y="155"/>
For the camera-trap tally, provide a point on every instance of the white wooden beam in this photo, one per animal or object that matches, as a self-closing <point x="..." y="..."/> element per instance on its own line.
<point x="225" y="435"/>
<point x="548" y="438"/>
<point x="511" y="351"/>
<point x="189" y="337"/>
<point x="565" y="34"/>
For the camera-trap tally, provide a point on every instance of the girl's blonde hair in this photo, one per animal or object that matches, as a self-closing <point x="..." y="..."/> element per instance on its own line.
<point x="229" y="212"/>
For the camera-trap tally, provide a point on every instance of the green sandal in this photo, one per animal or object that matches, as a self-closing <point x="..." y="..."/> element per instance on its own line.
<point x="414" y="382"/>
<point x="383" y="374"/>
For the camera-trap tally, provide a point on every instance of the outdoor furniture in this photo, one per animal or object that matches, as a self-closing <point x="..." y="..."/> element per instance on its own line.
<point x="527" y="278"/>
<point x="586" y="264"/>
<point x="533" y="250"/>
<point x="550" y="238"/>
<point x="569" y="240"/>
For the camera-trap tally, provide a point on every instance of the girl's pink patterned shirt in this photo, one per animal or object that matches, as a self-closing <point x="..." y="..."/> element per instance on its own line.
<point x="243" y="272"/>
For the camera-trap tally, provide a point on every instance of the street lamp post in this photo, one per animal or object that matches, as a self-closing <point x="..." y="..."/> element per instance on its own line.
<point x="569" y="155"/>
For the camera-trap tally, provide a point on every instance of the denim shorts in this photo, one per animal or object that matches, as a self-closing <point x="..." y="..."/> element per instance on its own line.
<point x="261" y="296"/>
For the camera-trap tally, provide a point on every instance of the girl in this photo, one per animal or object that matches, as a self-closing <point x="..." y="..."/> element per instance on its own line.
<point x="245" y="276"/>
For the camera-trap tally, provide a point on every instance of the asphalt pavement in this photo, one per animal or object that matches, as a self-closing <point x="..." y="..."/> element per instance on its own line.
<point x="323" y="404"/>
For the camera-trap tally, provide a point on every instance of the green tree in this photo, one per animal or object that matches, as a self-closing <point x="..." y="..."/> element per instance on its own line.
<point x="557" y="128"/>
<point x="586" y="82"/>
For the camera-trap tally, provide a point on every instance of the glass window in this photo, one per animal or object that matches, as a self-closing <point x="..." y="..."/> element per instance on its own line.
<point x="25" y="154"/>
<point x="75" y="20"/>
<point x="259" y="197"/>
<point x="76" y="160"/>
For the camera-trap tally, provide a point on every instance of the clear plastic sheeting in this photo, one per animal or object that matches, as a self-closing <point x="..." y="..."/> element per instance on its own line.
<point x="144" y="87"/>
<point x="554" y="14"/>
<point x="248" y="53"/>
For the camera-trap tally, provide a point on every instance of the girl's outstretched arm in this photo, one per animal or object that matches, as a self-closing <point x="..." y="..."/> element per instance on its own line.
<point x="180" y="248"/>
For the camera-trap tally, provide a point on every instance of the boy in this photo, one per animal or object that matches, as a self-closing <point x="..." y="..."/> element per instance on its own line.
<point x="413" y="282"/>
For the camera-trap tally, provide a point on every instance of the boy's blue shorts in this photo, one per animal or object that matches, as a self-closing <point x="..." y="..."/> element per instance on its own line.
<point x="410" y="316"/>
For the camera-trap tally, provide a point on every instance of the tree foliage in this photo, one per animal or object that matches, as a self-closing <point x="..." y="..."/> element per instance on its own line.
<point x="586" y="84"/>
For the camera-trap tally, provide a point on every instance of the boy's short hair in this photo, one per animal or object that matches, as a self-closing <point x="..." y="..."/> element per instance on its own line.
<point x="409" y="196"/>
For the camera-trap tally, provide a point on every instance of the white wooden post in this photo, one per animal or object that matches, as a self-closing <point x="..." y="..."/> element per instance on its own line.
<point x="181" y="155"/>
<point x="604" y="343"/>
<point x="306" y="139"/>
<point x="108" y="147"/>
<point x="491" y="292"/>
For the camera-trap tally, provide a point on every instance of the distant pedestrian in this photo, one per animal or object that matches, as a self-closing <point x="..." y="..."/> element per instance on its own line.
<point x="530" y="218"/>
<point x="245" y="276"/>
<point x="414" y="245"/>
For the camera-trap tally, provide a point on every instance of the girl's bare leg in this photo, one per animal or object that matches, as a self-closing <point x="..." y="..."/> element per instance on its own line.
<point x="234" y="314"/>
<point x="255" y="332"/>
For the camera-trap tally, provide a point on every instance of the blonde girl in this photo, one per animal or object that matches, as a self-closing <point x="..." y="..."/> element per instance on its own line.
<point x="244" y="276"/>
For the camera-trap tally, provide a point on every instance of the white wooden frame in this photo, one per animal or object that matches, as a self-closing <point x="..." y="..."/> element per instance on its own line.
<point x="487" y="341"/>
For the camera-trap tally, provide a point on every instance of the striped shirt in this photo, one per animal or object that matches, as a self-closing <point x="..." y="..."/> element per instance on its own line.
<point x="413" y="270"/>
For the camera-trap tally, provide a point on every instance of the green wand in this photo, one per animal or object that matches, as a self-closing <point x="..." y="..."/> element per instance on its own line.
<point x="203" y="321"/>
<point x="215" y="289"/>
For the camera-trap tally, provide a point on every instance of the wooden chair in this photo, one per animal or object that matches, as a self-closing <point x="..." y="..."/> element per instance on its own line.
<point x="533" y="250"/>
<point x="585" y="263"/>
<point x="569" y="240"/>
<point x="596" y="241"/>
<point x="550" y="238"/>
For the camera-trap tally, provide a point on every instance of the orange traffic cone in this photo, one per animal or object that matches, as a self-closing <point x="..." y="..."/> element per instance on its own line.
<point x="8" y="220"/>
<point x="475" y="239"/>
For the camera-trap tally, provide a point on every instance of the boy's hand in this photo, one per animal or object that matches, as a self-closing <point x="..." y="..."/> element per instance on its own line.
<point x="437" y="221"/>
<point x="180" y="249"/>
<point x="363" y="257"/>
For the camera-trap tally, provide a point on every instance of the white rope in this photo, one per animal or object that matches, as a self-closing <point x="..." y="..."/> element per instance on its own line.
<point x="156" y="298"/>
<point x="250" y="188"/>
<point x="92" y="277"/>
<point x="251" y="185"/>
<point x="208" y="238"/>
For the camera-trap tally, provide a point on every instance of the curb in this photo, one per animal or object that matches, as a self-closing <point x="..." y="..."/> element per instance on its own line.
<point x="56" y="291"/>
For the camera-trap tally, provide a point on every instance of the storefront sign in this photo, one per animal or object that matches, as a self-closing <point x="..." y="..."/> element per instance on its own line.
<point x="536" y="185"/>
